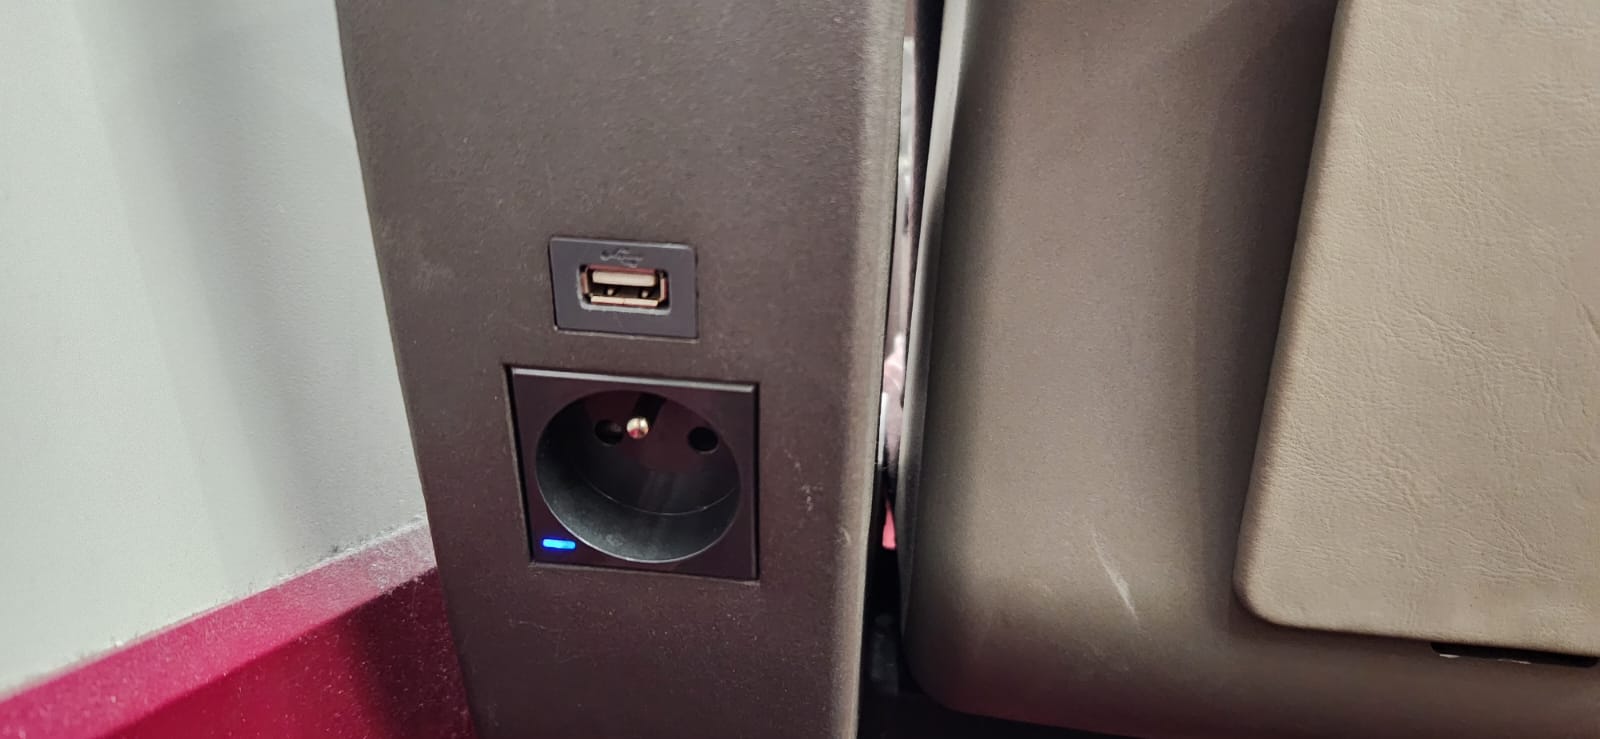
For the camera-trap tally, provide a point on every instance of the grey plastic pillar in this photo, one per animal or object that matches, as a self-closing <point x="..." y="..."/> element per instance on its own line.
<point x="761" y="134"/>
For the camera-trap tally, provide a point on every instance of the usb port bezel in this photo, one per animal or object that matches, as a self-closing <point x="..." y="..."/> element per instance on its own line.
<point x="676" y="317"/>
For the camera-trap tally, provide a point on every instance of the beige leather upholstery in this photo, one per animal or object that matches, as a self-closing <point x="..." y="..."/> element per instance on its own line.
<point x="1429" y="460"/>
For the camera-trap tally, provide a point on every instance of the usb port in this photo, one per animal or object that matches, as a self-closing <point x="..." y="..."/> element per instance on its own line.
<point x="623" y="287"/>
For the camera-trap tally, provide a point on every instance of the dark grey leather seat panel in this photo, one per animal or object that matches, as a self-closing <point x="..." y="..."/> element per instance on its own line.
<point x="1124" y="190"/>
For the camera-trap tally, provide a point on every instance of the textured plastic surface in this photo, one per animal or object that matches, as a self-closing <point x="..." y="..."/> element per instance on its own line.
<point x="1123" y="200"/>
<point x="764" y="135"/>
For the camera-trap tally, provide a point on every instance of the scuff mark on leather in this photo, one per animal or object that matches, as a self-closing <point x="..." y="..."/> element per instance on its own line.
<point x="1594" y="321"/>
<point x="1117" y="580"/>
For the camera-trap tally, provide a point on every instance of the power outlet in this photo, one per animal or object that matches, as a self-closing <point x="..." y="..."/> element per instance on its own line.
<point x="638" y="473"/>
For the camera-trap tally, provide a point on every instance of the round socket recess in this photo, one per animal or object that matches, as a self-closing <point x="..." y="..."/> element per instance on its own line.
<point x="638" y="473"/>
<point x="637" y="476"/>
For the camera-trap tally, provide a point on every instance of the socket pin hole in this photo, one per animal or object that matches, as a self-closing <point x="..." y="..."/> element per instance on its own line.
<point x="608" y="432"/>
<point x="703" y="440"/>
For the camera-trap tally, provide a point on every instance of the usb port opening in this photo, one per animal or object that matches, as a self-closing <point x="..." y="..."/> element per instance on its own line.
<point x="623" y="287"/>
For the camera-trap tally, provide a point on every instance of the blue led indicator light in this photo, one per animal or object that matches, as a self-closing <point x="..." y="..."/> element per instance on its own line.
<point x="565" y="545"/>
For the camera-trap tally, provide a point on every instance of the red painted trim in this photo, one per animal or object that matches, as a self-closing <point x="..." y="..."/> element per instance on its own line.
<point x="356" y="647"/>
